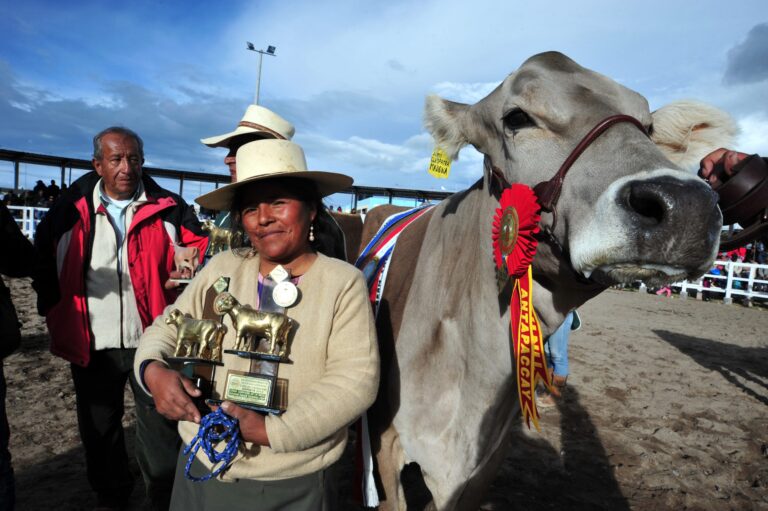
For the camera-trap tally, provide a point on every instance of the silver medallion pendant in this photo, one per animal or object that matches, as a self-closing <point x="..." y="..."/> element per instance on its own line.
<point x="285" y="294"/>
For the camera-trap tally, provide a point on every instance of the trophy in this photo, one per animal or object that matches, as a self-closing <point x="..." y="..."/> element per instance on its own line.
<point x="184" y="259"/>
<point x="219" y="239"/>
<point x="198" y="351"/>
<point x="262" y="337"/>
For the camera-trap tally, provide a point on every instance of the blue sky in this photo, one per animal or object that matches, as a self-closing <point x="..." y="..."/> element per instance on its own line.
<point x="351" y="75"/>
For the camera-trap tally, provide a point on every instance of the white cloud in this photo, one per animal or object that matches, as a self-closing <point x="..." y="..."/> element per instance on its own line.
<point x="465" y="92"/>
<point x="754" y="134"/>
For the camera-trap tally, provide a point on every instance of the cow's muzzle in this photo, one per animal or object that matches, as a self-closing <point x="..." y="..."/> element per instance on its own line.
<point x="673" y="222"/>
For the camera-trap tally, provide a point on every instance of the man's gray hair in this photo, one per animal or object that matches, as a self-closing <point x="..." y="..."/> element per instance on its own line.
<point x="119" y="130"/>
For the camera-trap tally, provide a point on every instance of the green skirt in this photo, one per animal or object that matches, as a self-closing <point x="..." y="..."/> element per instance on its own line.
<point x="313" y="492"/>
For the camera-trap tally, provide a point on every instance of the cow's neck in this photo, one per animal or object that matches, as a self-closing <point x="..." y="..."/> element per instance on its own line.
<point x="557" y="287"/>
<point x="456" y="321"/>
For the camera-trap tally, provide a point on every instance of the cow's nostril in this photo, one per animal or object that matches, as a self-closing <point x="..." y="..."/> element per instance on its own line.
<point x="650" y="206"/>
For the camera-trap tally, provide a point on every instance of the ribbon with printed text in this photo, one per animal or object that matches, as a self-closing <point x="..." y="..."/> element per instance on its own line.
<point x="514" y="225"/>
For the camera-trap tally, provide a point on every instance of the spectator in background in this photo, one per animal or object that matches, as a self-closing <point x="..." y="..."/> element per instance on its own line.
<point x="41" y="199"/>
<point x="39" y="187"/>
<point x="53" y="190"/>
<point x="556" y="351"/>
<point x="17" y="259"/>
<point x="258" y="123"/>
<point x="107" y="249"/>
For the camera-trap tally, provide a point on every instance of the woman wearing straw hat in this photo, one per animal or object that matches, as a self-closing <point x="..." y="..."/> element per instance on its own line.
<point x="333" y="372"/>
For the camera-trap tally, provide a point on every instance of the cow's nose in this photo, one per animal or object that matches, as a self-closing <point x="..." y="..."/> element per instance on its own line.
<point x="667" y="201"/>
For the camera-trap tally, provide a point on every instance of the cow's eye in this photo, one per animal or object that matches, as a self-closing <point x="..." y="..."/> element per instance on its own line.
<point x="517" y="119"/>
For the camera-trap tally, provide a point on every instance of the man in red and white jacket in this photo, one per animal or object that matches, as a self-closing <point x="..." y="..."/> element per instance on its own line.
<point x="107" y="249"/>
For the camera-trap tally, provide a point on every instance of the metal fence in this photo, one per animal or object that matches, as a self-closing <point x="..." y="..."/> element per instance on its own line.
<point x="27" y="218"/>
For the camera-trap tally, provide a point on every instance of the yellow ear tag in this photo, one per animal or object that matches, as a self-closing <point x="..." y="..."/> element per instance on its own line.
<point x="440" y="165"/>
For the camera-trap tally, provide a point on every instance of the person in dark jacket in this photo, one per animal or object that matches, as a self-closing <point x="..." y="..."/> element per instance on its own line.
<point x="107" y="249"/>
<point x="16" y="260"/>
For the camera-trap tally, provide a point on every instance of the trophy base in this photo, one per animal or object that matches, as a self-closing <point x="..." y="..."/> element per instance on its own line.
<point x="258" y="355"/>
<point x="184" y="361"/>
<point x="249" y="406"/>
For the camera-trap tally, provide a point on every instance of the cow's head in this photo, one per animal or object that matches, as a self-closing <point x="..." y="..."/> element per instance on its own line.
<point x="174" y="317"/>
<point x="627" y="210"/>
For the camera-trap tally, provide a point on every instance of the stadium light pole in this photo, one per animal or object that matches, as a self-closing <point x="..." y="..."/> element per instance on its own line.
<point x="269" y="51"/>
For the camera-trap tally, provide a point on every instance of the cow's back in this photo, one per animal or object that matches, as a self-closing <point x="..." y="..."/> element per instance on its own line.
<point x="352" y="227"/>
<point x="374" y="219"/>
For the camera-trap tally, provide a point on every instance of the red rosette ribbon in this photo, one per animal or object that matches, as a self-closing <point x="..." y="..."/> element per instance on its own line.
<point x="514" y="225"/>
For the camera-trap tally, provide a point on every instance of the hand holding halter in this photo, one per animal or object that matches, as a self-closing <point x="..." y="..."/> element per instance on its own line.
<point x="741" y="181"/>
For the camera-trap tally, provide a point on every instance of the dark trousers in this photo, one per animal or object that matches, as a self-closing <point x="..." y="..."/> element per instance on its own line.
<point x="99" y="389"/>
<point x="7" y="486"/>
<point x="313" y="492"/>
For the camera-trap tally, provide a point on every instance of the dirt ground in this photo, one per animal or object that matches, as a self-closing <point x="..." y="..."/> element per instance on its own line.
<point x="666" y="408"/>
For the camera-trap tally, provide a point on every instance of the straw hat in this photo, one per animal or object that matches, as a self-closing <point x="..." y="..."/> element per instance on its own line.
<point x="265" y="159"/>
<point x="257" y="120"/>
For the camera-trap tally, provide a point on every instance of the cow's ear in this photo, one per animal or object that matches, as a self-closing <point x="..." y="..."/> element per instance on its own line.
<point x="686" y="131"/>
<point x="445" y="121"/>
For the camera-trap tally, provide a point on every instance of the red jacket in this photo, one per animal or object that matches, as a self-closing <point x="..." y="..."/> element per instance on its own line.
<point x="62" y="295"/>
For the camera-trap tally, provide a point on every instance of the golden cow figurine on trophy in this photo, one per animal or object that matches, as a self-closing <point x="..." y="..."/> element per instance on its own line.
<point x="202" y="338"/>
<point x="251" y="325"/>
<point x="198" y="352"/>
<point x="219" y="238"/>
<point x="263" y="338"/>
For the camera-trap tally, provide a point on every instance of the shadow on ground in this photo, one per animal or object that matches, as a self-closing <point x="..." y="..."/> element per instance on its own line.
<point x="59" y="482"/>
<point x="733" y="362"/>
<point x="580" y="476"/>
<point x="534" y="476"/>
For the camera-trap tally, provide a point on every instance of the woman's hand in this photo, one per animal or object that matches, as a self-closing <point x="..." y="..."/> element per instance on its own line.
<point x="718" y="166"/>
<point x="252" y="424"/>
<point x="172" y="392"/>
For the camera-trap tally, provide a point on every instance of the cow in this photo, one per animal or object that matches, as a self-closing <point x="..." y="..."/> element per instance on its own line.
<point x="626" y="211"/>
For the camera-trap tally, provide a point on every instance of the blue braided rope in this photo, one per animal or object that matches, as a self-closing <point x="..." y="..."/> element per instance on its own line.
<point x="214" y="427"/>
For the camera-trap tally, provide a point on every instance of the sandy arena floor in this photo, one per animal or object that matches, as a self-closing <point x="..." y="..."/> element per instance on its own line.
<point x="666" y="408"/>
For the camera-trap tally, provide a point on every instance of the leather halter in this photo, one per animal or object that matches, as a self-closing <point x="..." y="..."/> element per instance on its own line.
<point x="548" y="192"/>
